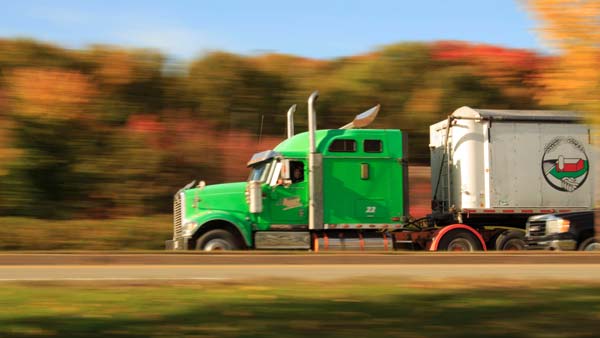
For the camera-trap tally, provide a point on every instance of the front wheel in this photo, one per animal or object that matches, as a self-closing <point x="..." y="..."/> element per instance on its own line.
<point x="459" y="240"/>
<point x="217" y="240"/>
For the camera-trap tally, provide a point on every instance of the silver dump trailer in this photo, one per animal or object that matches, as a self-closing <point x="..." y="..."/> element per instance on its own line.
<point x="493" y="169"/>
<point x="511" y="161"/>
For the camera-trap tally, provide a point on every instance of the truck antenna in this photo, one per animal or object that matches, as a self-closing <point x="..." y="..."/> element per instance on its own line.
<point x="260" y="130"/>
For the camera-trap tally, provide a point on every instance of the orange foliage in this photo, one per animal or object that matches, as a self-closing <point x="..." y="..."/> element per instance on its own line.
<point x="574" y="28"/>
<point x="46" y="94"/>
<point x="569" y="25"/>
<point x="116" y="67"/>
<point x="3" y="103"/>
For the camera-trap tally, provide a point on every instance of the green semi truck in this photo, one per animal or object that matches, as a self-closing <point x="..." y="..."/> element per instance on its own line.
<point x="347" y="188"/>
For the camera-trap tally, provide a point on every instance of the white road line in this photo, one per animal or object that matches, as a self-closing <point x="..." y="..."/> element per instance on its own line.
<point x="109" y="279"/>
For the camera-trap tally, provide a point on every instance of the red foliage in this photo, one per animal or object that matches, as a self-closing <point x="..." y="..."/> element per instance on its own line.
<point x="144" y="124"/>
<point x="203" y="142"/>
<point x="477" y="53"/>
<point x="237" y="148"/>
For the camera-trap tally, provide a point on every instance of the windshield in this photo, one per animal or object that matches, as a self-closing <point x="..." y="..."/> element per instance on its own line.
<point x="260" y="171"/>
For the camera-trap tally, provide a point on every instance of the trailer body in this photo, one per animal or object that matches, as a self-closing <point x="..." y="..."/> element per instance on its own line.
<point x="511" y="160"/>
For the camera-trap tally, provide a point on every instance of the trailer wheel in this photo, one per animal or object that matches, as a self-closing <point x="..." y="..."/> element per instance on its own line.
<point x="589" y="244"/>
<point x="217" y="240"/>
<point x="511" y="240"/>
<point x="459" y="240"/>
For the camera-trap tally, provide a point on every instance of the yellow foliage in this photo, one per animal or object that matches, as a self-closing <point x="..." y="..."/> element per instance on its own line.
<point x="49" y="94"/>
<point x="116" y="68"/>
<point x="573" y="27"/>
<point x="427" y="100"/>
<point x="7" y="151"/>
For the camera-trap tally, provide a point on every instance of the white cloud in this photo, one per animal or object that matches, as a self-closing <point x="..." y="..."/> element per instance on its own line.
<point x="77" y="27"/>
<point x="177" y="41"/>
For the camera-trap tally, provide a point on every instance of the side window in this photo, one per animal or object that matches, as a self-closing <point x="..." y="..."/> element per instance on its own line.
<point x="343" y="146"/>
<point x="296" y="171"/>
<point x="373" y="146"/>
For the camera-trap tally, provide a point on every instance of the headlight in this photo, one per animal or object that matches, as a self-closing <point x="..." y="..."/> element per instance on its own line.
<point x="557" y="225"/>
<point x="188" y="228"/>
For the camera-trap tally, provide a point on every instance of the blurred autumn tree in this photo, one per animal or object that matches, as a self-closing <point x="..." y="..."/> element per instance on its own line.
<point x="573" y="77"/>
<point x="106" y="131"/>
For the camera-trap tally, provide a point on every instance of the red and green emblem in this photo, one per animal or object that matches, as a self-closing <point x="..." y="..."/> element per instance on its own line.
<point x="565" y="165"/>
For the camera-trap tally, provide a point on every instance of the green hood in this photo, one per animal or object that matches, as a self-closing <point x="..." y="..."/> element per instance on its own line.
<point x="224" y="197"/>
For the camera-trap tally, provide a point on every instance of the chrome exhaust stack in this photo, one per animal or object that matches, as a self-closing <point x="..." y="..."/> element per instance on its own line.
<point x="290" y="121"/>
<point x="315" y="177"/>
<point x="312" y="121"/>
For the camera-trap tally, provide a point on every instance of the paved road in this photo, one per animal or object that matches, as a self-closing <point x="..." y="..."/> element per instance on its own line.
<point x="296" y="258"/>
<point x="44" y="267"/>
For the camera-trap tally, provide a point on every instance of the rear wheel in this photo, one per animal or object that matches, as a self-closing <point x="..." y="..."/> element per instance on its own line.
<point x="459" y="240"/>
<point x="589" y="244"/>
<point x="217" y="240"/>
<point x="511" y="240"/>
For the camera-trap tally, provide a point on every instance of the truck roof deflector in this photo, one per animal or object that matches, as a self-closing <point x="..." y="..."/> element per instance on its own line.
<point x="363" y="119"/>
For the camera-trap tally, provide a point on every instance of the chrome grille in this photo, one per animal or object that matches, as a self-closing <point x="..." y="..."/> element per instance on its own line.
<point x="536" y="228"/>
<point x="177" y="217"/>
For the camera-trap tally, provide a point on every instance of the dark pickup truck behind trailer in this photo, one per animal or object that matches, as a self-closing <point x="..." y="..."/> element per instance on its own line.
<point x="562" y="231"/>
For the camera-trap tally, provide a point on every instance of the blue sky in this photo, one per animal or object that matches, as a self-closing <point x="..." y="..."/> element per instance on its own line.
<point x="318" y="29"/>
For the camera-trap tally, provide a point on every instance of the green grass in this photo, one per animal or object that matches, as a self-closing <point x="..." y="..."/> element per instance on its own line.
<point x="358" y="308"/>
<point x="144" y="233"/>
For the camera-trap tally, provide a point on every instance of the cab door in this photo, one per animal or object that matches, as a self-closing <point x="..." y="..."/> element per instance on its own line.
<point x="288" y="203"/>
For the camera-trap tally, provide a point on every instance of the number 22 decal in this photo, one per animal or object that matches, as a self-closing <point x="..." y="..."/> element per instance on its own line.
<point x="370" y="210"/>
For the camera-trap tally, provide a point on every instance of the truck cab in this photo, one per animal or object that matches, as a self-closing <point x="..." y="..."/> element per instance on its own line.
<point x="362" y="182"/>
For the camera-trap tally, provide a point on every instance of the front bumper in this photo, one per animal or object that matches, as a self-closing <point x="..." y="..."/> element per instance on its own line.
<point x="181" y="243"/>
<point x="552" y="244"/>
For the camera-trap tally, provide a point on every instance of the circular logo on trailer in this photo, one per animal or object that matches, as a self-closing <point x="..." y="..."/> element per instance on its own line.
<point x="565" y="165"/>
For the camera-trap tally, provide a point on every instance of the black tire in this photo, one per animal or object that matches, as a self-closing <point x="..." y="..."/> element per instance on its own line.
<point x="459" y="240"/>
<point x="217" y="240"/>
<point x="511" y="240"/>
<point x="589" y="244"/>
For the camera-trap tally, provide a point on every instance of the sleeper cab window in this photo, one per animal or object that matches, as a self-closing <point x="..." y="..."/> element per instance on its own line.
<point x="343" y="146"/>
<point x="373" y="146"/>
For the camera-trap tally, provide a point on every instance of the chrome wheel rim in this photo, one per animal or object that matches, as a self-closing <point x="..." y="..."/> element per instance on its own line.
<point x="513" y="245"/>
<point x="217" y="244"/>
<point x="460" y="244"/>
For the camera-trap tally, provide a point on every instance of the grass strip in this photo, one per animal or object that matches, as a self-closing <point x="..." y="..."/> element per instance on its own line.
<point x="282" y="308"/>
<point x="135" y="233"/>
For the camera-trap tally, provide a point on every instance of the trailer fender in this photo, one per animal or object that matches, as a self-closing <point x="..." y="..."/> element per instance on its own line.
<point x="437" y="237"/>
